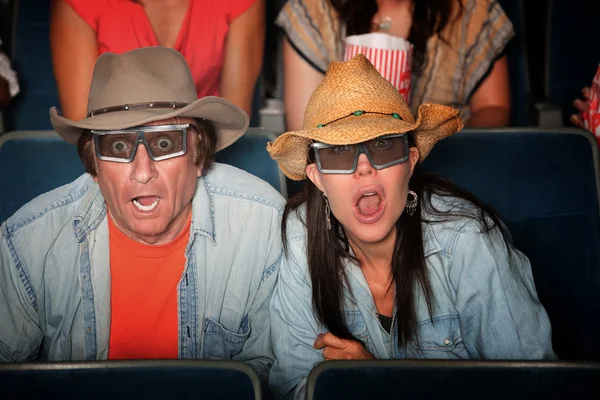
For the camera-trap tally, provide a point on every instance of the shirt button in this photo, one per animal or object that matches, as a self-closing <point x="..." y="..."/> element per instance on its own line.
<point x="446" y="342"/>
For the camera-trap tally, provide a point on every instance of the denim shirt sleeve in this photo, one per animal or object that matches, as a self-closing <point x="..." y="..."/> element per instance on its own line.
<point x="294" y="327"/>
<point x="500" y="314"/>
<point x="20" y="332"/>
<point x="257" y="350"/>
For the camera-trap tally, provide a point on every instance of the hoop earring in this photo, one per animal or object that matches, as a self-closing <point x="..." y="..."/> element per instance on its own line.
<point x="411" y="205"/>
<point x="327" y="213"/>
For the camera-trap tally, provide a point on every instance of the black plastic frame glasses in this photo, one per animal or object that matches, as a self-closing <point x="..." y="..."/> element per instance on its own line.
<point x="140" y="138"/>
<point x="358" y="149"/>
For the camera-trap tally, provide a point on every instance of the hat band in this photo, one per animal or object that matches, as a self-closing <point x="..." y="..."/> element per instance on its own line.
<point x="137" y="106"/>
<point x="358" y="113"/>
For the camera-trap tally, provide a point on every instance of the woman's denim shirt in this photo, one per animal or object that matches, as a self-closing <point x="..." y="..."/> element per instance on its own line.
<point x="55" y="274"/>
<point x="482" y="307"/>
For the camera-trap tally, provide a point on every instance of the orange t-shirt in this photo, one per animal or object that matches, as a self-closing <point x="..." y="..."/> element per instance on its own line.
<point x="144" y="320"/>
<point x="122" y="25"/>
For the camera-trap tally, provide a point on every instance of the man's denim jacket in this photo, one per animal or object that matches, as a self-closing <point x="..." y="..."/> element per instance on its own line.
<point x="482" y="307"/>
<point x="55" y="275"/>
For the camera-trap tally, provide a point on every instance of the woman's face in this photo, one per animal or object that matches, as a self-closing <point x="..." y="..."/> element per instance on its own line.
<point x="367" y="202"/>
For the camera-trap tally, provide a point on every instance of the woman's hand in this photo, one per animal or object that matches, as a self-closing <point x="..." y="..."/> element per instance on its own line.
<point x="582" y="106"/>
<point x="335" y="348"/>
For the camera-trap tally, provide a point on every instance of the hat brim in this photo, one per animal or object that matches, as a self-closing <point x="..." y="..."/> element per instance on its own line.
<point x="230" y="121"/>
<point x="434" y="122"/>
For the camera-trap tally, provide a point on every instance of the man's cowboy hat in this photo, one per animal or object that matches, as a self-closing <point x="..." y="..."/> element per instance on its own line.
<point x="354" y="103"/>
<point x="146" y="85"/>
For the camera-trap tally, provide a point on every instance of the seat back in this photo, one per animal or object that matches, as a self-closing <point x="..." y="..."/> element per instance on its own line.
<point x="33" y="63"/>
<point x="173" y="379"/>
<point x="250" y="154"/>
<point x="432" y="379"/>
<point x="572" y="55"/>
<point x="32" y="163"/>
<point x="544" y="184"/>
<point x="516" y="53"/>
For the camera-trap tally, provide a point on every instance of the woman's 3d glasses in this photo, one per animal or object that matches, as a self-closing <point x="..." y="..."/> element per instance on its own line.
<point x="382" y="152"/>
<point x="161" y="142"/>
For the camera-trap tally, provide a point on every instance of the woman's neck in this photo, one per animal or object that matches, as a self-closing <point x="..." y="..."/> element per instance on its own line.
<point x="374" y="256"/>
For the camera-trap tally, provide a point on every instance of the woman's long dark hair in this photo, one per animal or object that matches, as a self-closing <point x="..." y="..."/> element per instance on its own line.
<point x="328" y="250"/>
<point x="429" y="17"/>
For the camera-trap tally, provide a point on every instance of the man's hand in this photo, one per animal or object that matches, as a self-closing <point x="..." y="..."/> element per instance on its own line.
<point x="4" y="93"/>
<point x="335" y="348"/>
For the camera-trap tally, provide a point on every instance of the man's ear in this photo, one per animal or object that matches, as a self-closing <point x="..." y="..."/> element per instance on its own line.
<point x="198" y="171"/>
<point x="313" y="174"/>
<point x="413" y="158"/>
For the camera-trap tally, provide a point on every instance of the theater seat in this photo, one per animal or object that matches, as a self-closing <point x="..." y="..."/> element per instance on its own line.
<point x="442" y="379"/>
<point x="544" y="184"/>
<point x="250" y="154"/>
<point x="516" y="53"/>
<point x="572" y="54"/>
<point x="32" y="163"/>
<point x="33" y="63"/>
<point x="128" y="380"/>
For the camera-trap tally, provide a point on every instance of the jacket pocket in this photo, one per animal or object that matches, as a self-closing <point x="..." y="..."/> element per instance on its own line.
<point x="220" y="343"/>
<point x="440" y="335"/>
<point x="357" y="326"/>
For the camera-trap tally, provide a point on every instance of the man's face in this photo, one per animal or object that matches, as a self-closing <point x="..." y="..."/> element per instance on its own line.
<point x="150" y="201"/>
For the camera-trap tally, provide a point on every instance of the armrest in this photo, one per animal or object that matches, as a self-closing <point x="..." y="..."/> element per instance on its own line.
<point x="547" y="115"/>
<point x="272" y="116"/>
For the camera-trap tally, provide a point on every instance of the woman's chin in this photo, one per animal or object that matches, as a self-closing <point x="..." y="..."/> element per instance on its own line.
<point x="371" y="234"/>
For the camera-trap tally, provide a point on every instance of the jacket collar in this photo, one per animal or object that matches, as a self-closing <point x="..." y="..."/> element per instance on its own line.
<point x="203" y="210"/>
<point x="90" y="213"/>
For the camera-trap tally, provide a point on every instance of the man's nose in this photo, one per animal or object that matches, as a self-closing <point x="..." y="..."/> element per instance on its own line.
<point x="143" y="168"/>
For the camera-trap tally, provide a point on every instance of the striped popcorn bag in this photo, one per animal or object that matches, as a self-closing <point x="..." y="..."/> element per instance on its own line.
<point x="591" y="117"/>
<point x="391" y="56"/>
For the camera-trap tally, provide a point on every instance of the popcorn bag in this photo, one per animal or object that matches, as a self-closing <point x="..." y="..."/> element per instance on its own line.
<point x="391" y="56"/>
<point x="591" y="117"/>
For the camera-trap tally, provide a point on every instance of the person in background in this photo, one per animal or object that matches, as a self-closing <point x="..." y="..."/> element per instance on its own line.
<point x="582" y="106"/>
<point x="381" y="260"/>
<point x="222" y="41"/>
<point x="9" y="85"/>
<point x="156" y="252"/>
<point x="457" y="58"/>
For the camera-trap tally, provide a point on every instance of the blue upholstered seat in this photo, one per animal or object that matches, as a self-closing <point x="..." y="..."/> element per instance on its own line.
<point x="102" y="380"/>
<point x="545" y="186"/>
<point x="441" y="379"/>
<point x="572" y="50"/>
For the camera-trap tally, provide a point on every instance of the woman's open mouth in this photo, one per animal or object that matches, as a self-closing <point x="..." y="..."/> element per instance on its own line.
<point x="369" y="205"/>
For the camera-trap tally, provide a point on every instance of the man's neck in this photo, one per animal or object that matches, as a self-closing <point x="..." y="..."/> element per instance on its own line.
<point x="177" y="225"/>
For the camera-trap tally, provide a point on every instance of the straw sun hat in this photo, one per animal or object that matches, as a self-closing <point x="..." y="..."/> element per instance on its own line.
<point x="354" y="103"/>
<point x="145" y="85"/>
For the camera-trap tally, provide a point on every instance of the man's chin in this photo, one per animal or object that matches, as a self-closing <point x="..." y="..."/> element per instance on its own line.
<point x="146" y="231"/>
